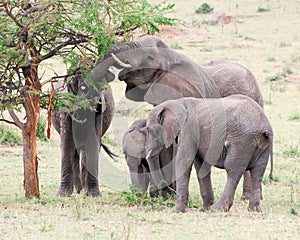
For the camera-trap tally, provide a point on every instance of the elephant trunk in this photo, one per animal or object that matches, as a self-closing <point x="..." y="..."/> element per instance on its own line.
<point x="138" y="177"/>
<point x="101" y="72"/>
<point x="155" y="171"/>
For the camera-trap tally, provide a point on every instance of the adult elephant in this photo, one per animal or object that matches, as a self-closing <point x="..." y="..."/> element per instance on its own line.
<point x="134" y="148"/>
<point x="232" y="133"/>
<point x="155" y="73"/>
<point x="81" y="131"/>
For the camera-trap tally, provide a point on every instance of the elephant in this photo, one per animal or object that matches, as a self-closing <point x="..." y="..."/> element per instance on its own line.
<point x="154" y="73"/>
<point x="134" y="141"/>
<point x="81" y="140"/>
<point x="231" y="133"/>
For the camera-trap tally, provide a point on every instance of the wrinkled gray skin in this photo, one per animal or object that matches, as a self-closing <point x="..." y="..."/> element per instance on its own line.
<point x="231" y="133"/>
<point x="158" y="74"/>
<point x="134" y="141"/>
<point x="72" y="152"/>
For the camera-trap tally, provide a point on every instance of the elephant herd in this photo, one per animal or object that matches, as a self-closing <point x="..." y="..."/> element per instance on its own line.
<point x="204" y="115"/>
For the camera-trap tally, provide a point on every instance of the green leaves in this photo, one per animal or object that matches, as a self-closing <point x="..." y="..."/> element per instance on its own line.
<point x="77" y="32"/>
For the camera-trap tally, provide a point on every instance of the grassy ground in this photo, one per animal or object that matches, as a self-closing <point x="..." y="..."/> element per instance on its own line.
<point x="268" y="44"/>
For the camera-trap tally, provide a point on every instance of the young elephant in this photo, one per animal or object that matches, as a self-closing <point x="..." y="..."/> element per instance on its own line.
<point x="134" y="149"/>
<point x="232" y="133"/>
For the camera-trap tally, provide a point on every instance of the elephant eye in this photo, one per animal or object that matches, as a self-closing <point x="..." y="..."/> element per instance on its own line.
<point x="150" y="57"/>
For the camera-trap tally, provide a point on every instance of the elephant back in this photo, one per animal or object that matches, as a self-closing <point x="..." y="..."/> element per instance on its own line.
<point x="233" y="78"/>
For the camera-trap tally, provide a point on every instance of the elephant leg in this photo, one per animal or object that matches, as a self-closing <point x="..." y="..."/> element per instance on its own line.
<point x="226" y="201"/>
<point x="92" y="186"/>
<point x="183" y="166"/>
<point x="90" y="170"/>
<point x="205" y="185"/>
<point x="257" y="173"/>
<point x="77" y="176"/>
<point x="182" y="189"/>
<point x="153" y="190"/>
<point x="246" y="186"/>
<point x="67" y="156"/>
<point x="235" y="169"/>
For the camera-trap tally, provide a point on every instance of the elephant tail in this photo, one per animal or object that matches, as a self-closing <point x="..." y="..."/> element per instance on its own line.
<point x="108" y="151"/>
<point x="271" y="161"/>
<point x="269" y="136"/>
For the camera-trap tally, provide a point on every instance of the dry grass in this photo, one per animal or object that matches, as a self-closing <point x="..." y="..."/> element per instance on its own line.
<point x="268" y="44"/>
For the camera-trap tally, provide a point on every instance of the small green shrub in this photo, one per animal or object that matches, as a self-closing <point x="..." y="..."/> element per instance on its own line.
<point x="292" y="151"/>
<point x="296" y="59"/>
<point x="285" y="71"/>
<point x="295" y="116"/>
<point x="293" y="211"/>
<point x="140" y="199"/>
<point x="274" y="77"/>
<point x="204" y="49"/>
<point x="271" y="59"/>
<point x="284" y="44"/>
<point x="260" y="9"/>
<point x="8" y="136"/>
<point x="204" y="8"/>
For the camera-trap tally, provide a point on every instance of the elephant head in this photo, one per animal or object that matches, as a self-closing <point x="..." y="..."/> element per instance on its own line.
<point x="163" y="129"/>
<point x="125" y="51"/>
<point x="134" y="150"/>
<point x="141" y="61"/>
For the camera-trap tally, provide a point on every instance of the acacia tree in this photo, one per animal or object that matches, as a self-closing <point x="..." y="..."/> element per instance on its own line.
<point x="76" y="31"/>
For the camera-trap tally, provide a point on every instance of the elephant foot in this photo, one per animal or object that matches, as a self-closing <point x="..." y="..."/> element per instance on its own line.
<point x="93" y="191"/>
<point x="254" y="208"/>
<point x="65" y="191"/>
<point x="205" y="208"/>
<point x="246" y="196"/>
<point x="179" y="208"/>
<point x="154" y="194"/>
<point x="221" y="206"/>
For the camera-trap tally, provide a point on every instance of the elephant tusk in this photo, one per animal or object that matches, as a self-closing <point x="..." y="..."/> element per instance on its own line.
<point x="119" y="62"/>
<point x="149" y="154"/>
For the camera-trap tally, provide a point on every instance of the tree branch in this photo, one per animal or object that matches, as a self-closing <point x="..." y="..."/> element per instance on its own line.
<point x="7" y="121"/>
<point x="9" y="13"/>
<point x="59" y="47"/>
<point x="51" y="79"/>
<point x="122" y="32"/>
<point x="17" y="121"/>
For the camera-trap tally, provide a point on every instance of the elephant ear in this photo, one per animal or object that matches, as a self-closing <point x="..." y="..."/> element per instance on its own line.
<point x="175" y="58"/>
<point x="172" y="118"/>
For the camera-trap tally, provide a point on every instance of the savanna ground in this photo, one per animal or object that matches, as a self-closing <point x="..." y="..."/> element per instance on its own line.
<point x="268" y="44"/>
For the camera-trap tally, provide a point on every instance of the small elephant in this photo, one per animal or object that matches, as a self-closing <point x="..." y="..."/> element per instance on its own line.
<point x="135" y="153"/>
<point x="80" y="143"/>
<point x="153" y="72"/>
<point x="232" y="133"/>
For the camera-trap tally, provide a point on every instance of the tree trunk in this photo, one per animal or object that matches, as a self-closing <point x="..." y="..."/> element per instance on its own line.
<point x="31" y="181"/>
<point x="32" y="109"/>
